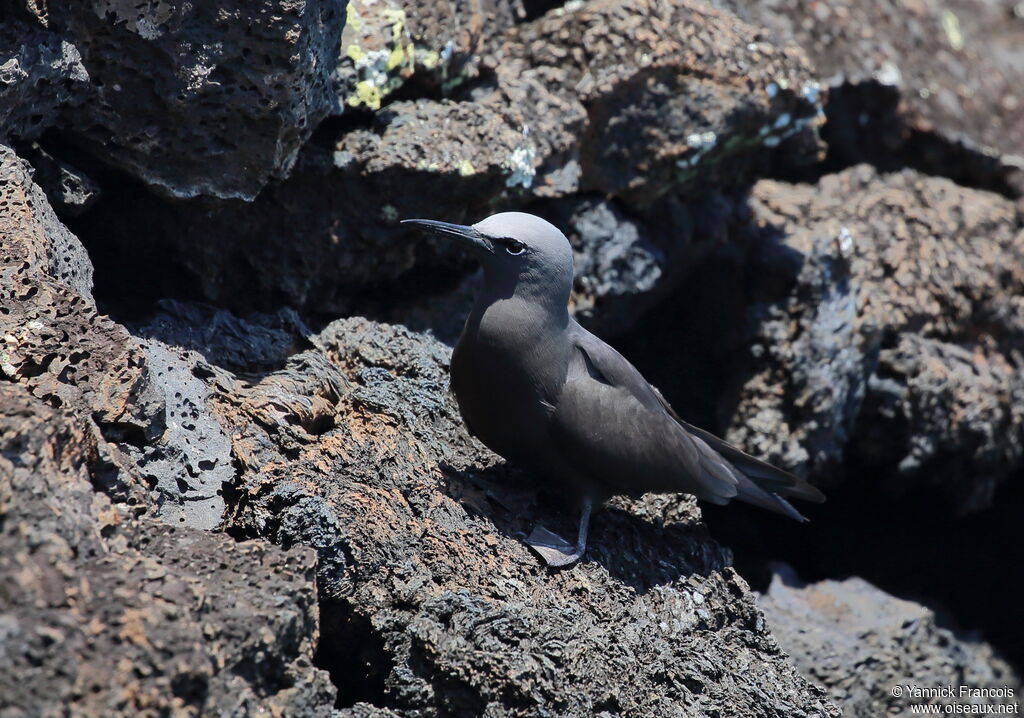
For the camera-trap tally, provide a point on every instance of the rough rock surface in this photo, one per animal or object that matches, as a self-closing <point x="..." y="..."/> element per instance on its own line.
<point x="357" y="449"/>
<point x="693" y="99"/>
<point x="437" y="46"/>
<point x="101" y="614"/>
<point x="859" y="643"/>
<point x="178" y="89"/>
<point x="69" y="190"/>
<point x="259" y="343"/>
<point x="626" y="261"/>
<point x="868" y="289"/>
<point x="35" y="241"/>
<point x="941" y="404"/>
<point x="934" y="84"/>
<point x="39" y="73"/>
<point x="330" y="233"/>
<point x="430" y="603"/>
<point x="59" y="348"/>
<point x="884" y="312"/>
<point x="105" y="609"/>
<point x="634" y="98"/>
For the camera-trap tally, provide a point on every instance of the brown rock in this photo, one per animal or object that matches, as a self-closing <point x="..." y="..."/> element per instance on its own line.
<point x="935" y="84"/>
<point x="356" y="448"/>
<point x="102" y="614"/>
<point x="633" y="97"/>
<point x="58" y="347"/>
<point x="898" y="266"/>
<point x="430" y="602"/>
<point x="862" y="644"/>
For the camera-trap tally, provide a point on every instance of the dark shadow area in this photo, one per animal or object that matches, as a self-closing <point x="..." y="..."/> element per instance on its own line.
<point x="685" y="346"/>
<point x="318" y="242"/>
<point x="252" y="346"/>
<point x="130" y="277"/>
<point x="536" y="8"/>
<point x="966" y="569"/>
<point x="457" y="80"/>
<point x="353" y="653"/>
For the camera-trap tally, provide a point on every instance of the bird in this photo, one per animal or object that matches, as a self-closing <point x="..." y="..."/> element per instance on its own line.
<point x="549" y="396"/>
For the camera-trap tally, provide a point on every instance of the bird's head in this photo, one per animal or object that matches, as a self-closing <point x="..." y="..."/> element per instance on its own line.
<point x="520" y="253"/>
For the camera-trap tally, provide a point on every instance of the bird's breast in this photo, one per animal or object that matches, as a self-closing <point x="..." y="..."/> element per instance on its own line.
<point x="505" y="384"/>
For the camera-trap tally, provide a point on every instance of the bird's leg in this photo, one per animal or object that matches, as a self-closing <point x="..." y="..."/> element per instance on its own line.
<point x="581" y="536"/>
<point x="555" y="550"/>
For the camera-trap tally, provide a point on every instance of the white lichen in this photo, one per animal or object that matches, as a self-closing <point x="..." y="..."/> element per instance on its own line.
<point x="889" y="74"/>
<point x="811" y="92"/>
<point x="701" y="140"/>
<point x="701" y="143"/>
<point x="447" y="50"/>
<point x="520" y="162"/>
<point x="845" y="240"/>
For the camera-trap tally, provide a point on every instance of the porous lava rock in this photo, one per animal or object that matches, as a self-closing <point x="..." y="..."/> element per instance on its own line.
<point x="870" y="649"/>
<point x="671" y="98"/>
<point x="429" y="602"/>
<point x="39" y="74"/>
<point x="111" y="603"/>
<point x="198" y="99"/>
<point x="105" y="614"/>
<point x="357" y="448"/>
<point x="885" y="311"/>
<point x="931" y="85"/>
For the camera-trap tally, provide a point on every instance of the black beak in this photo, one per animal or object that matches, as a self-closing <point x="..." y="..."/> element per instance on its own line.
<point x="466" y="235"/>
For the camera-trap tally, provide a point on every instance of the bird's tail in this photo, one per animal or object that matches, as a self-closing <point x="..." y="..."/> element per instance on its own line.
<point x="756" y="482"/>
<point x="749" y="492"/>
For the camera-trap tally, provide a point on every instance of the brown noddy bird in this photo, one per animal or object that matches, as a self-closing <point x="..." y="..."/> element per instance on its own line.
<point x="549" y="396"/>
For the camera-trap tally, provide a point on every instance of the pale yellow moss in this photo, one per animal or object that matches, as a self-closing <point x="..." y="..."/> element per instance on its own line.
<point x="396" y="58"/>
<point x="352" y="18"/>
<point x="430" y="59"/>
<point x="366" y="93"/>
<point x="355" y="53"/>
<point x="951" y="24"/>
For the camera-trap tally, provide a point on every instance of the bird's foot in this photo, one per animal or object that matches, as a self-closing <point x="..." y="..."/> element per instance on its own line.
<point x="554" y="549"/>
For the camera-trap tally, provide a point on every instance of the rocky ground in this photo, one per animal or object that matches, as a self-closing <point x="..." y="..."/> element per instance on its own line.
<point x="232" y="478"/>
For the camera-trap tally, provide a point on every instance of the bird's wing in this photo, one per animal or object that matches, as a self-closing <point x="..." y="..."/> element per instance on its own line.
<point x="624" y="433"/>
<point x="768" y="477"/>
<point x="613" y="425"/>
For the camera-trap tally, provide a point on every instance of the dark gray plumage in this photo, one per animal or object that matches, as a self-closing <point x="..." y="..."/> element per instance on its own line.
<point x="546" y="394"/>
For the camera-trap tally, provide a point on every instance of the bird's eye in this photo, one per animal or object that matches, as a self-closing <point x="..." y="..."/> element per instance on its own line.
<point x="515" y="248"/>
